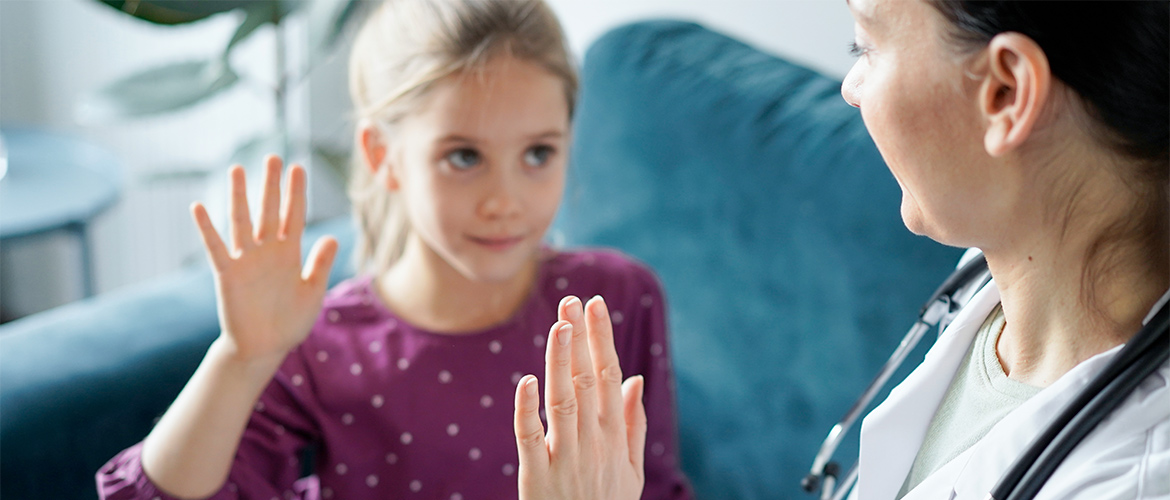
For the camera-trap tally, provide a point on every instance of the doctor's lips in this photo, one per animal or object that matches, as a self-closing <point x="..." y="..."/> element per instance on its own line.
<point x="496" y="243"/>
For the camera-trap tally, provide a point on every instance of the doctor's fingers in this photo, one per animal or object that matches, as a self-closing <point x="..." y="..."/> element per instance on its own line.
<point x="269" y="221"/>
<point x="560" y="397"/>
<point x="611" y="414"/>
<point x="584" y="376"/>
<point x="217" y="253"/>
<point x="530" y="440"/>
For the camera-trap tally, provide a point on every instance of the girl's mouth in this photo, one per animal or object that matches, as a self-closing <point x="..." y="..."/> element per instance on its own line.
<point x="497" y="244"/>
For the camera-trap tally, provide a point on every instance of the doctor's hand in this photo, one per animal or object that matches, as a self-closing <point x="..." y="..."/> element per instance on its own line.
<point x="596" y="436"/>
<point x="267" y="303"/>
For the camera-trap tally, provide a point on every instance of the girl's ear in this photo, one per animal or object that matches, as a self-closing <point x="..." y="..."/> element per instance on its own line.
<point x="1014" y="91"/>
<point x="375" y="154"/>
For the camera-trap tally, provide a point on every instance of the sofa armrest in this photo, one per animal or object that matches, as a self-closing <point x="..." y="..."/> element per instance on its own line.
<point x="83" y="381"/>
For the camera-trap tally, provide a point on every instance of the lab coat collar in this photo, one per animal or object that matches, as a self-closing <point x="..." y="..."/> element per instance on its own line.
<point x="893" y="432"/>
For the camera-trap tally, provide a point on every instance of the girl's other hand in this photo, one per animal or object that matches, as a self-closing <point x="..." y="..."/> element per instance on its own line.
<point x="267" y="303"/>
<point x="597" y="424"/>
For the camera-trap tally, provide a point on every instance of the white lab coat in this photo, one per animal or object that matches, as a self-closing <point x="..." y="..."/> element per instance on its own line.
<point x="1126" y="457"/>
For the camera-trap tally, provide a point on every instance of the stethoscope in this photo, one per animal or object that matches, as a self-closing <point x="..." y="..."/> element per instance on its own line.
<point x="1139" y="358"/>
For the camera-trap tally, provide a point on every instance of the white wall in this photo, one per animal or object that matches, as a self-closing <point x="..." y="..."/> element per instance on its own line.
<point x="53" y="51"/>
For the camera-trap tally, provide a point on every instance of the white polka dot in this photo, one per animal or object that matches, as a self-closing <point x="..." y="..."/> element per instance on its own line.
<point x="406" y="438"/>
<point x="326" y="492"/>
<point x="375" y="346"/>
<point x="509" y="469"/>
<point x="279" y="429"/>
<point x="371" y="480"/>
<point x="486" y="401"/>
<point x="377" y="401"/>
<point x="298" y="380"/>
<point x="333" y="315"/>
<point x="456" y="496"/>
<point x="415" y="485"/>
<point x="453" y="430"/>
<point x="538" y="340"/>
<point x="347" y="419"/>
<point x="391" y="458"/>
<point x="445" y="376"/>
<point x="516" y="376"/>
<point x="647" y="300"/>
<point x="495" y="346"/>
<point x="403" y="363"/>
<point x="259" y="406"/>
<point x="657" y="449"/>
<point x="617" y="317"/>
<point x="562" y="284"/>
<point x="341" y="469"/>
<point x="656" y="349"/>
<point x="355" y="368"/>
<point x="322" y="356"/>
<point x="474" y="454"/>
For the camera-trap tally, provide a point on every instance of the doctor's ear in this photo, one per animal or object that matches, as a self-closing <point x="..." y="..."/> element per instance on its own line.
<point x="1014" y="91"/>
<point x="376" y="154"/>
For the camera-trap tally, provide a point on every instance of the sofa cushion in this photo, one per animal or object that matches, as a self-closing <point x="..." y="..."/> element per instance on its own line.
<point x="756" y="193"/>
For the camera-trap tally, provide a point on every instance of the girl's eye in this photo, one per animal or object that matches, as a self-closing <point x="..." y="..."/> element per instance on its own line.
<point x="463" y="159"/>
<point x="538" y="156"/>
<point x="856" y="50"/>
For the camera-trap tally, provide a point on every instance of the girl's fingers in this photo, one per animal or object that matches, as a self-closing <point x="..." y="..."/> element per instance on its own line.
<point x="320" y="262"/>
<point x="635" y="416"/>
<point x="241" y="220"/>
<point x="609" y="370"/>
<point x="270" y="199"/>
<point x="216" y="252"/>
<point x="530" y="442"/>
<point x="294" y="205"/>
<point x="560" y="398"/>
<point x="584" y="376"/>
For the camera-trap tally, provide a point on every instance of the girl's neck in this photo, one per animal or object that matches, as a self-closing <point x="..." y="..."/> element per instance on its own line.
<point x="423" y="289"/>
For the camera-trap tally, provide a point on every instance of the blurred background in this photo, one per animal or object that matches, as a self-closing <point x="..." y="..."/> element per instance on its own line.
<point x="60" y="61"/>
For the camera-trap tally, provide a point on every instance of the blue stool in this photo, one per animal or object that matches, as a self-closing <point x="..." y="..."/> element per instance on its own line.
<point x="56" y="182"/>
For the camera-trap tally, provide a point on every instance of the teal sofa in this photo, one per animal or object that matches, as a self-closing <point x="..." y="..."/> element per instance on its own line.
<point x="743" y="179"/>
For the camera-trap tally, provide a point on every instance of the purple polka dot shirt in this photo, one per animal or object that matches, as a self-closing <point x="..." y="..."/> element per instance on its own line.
<point x="397" y="412"/>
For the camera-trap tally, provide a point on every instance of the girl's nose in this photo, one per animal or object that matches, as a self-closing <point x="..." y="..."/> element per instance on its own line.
<point x="501" y="198"/>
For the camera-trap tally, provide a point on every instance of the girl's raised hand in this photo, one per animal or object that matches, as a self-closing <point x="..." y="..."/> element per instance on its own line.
<point x="597" y="424"/>
<point x="267" y="303"/>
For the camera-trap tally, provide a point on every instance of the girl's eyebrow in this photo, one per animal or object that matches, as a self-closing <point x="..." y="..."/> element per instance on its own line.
<point x="862" y="16"/>
<point x="548" y="134"/>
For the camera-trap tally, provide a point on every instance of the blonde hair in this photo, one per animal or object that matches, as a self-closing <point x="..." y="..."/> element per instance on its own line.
<point x="404" y="48"/>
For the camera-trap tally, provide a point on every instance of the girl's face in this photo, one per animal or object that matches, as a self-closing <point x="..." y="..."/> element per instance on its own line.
<point x="480" y="166"/>
<point x="921" y="111"/>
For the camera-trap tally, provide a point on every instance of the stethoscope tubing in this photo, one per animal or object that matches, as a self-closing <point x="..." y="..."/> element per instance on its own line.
<point x="1140" y="358"/>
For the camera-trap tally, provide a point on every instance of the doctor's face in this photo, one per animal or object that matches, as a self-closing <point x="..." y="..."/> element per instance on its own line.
<point x="921" y="111"/>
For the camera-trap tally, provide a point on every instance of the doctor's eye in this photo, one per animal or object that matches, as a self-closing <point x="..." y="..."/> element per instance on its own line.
<point x="538" y="156"/>
<point x="856" y="50"/>
<point x="463" y="158"/>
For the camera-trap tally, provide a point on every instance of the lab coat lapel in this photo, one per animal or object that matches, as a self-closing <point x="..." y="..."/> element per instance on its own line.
<point x="892" y="433"/>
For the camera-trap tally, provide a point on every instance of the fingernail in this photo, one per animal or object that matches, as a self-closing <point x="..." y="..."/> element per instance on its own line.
<point x="572" y="306"/>
<point x="564" y="333"/>
<point x="530" y="386"/>
<point x="598" y="312"/>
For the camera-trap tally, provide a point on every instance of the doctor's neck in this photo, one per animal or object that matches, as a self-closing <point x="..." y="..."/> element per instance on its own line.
<point x="1077" y="278"/>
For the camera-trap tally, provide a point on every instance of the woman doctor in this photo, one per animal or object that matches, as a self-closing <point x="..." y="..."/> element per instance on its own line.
<point x="1035" y="131"/>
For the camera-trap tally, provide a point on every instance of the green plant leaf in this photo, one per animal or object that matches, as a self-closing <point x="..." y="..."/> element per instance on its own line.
<point x="157" y="90"/>
<point x="328" y="20"/>
<point x="171" y="12"/>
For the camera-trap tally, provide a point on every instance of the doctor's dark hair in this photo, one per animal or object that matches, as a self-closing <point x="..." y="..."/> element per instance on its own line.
<point x="1114" y="54"/>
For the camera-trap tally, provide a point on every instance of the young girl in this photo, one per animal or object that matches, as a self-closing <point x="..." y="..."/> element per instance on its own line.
<point x="400" y="385"/>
